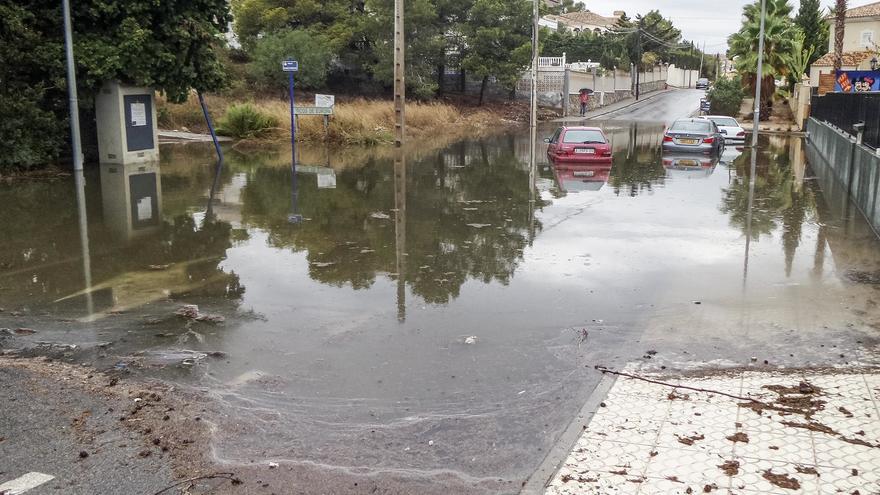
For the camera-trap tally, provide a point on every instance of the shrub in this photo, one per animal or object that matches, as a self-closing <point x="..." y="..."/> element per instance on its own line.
<point x="245" y="121"/>
<point x="726" y="96"/>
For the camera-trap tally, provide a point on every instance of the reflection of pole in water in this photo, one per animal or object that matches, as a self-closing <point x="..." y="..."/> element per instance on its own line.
<point x="294" y="217"/>
<point x="752" y="177"/>
<point x="80" y="182"/>
<point x="400" y="231"/>
<point x="214" y="185"/>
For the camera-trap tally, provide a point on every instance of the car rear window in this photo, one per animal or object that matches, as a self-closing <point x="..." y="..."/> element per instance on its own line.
<point x="575" y="136"/>
<point x="725" y="121"/>
<point x="690" y="126"/>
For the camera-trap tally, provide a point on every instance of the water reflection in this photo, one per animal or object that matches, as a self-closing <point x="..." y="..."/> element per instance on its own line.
<point x="688" y="165"/>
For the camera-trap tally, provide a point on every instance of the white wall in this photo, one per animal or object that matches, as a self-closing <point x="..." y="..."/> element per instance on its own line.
<point x="852" y="34"/>
<point x="681" y="78"/>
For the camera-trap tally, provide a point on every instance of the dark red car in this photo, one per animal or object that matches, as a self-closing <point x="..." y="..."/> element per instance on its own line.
<point x="579" y="144"/>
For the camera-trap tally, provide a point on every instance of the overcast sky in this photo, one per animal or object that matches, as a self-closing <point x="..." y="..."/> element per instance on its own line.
<point x="699" y="20"/>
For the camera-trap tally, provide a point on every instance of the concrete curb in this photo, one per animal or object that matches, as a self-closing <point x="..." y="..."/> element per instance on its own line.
<point x="560" y="451"/>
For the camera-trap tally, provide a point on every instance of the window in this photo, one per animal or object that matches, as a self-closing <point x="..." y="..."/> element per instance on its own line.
<point x="585" y="136"/>
<point x="867" y="38"/>
<point x="691" y="126"/>
<point x="724" y="121"/>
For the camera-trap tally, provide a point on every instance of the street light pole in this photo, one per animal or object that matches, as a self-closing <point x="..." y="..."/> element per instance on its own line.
<point x="533" y="100"/>
<point x="75" y="143"/>
<point x="759" y="77"/>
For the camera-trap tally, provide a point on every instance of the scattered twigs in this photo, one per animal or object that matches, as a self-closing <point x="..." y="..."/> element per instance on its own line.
<point x="673" y="385"/>
<point x="227" y="476"/>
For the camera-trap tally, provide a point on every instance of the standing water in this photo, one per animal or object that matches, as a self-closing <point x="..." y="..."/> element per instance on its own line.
<point x="452" y="355"/>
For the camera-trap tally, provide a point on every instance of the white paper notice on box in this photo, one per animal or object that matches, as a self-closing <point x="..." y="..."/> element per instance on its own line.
<point x="138" y="114"/>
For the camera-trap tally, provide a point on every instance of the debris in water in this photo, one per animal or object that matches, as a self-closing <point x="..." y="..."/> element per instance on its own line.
<point x="159" y="267"/>
<point x="472" y="339"/>
<point x="479" y="225"/>
<point x="379" y="215"/>
<point x="25" y="331"/>
<point x="430" y="443"/>
<point x="191" y="311"/>
<point x="273" y="465"/>
<point x="322" y="264"/>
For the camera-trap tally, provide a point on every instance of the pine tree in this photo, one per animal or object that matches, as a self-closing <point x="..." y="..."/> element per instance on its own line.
<point x="809" y="19"/>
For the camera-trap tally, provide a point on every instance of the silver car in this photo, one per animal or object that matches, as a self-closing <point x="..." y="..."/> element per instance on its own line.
<point x="694" y="135"/>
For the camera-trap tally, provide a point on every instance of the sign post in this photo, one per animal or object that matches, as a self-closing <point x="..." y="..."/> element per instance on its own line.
<point x="290" y="66"/>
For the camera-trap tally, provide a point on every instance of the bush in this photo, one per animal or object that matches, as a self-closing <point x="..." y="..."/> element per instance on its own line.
<point x="245" y="121"/>
<point x="308" y="49"/>
<point x="726" y="96"/>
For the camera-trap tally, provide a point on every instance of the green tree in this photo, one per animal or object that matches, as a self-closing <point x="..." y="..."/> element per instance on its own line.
<point x="798" y="60"/>
<point x="308" y="49"/>
<point x="779" y="33"/>
<point x="810" y="19"/>
<point x="167" y="46"/>
<point x="499" y="40"/>
<point x="726" y="96"/>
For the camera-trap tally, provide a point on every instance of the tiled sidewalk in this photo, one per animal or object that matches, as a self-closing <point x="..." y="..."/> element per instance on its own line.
<point x="653" y="439"/>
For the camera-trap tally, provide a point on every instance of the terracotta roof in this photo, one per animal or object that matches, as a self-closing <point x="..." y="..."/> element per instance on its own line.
<point x="869" y="10"/>
<point x="849" y="59"/>
<point x="589" y="18"/>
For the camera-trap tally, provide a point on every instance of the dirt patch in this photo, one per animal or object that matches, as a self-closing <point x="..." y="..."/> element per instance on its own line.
<point x="806" y="470"/>
<point x="782" y="480"/>
<point x="739" y="437"/>
<point x="689" y="440"/>
<point x="730" y="468"/>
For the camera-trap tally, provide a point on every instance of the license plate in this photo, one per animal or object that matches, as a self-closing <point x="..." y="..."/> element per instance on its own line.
<point x="588" y="151"/>
<point x="585" y="173"/>
<point x="687" y="163"/>
<point x="687" y="141"/>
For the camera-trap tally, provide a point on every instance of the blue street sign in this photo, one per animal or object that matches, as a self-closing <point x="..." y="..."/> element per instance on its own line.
<point x="289" y="65"/>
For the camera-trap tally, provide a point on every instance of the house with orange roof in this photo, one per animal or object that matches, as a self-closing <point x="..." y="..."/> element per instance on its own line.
<point x="862" y="29"/>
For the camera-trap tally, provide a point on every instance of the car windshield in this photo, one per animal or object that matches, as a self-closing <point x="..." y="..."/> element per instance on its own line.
<point x="690" y="126"/>
<point x="702" y="80"/>
<point x="725" y="121"/>
<point x="583" y="136"/>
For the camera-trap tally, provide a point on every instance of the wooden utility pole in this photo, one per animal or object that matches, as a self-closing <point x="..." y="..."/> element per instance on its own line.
<point x="399" y="76"/>
<point x="400" y="160"/>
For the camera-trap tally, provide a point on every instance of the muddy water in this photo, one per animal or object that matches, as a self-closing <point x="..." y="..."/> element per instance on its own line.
<point x="436" y="321"/>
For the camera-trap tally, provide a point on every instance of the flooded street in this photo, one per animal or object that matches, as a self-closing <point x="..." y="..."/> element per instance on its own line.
<point x="436" y="323"/>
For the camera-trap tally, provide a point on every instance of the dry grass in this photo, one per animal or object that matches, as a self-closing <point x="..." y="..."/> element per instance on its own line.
<point x="354" y="122"/>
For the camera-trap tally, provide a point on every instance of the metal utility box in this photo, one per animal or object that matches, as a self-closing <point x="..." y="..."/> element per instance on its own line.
<point x="132" y="198"/>
<point x="126" y="120"/>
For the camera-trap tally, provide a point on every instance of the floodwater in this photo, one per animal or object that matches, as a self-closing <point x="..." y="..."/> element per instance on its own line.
<point x="435" y="320"/>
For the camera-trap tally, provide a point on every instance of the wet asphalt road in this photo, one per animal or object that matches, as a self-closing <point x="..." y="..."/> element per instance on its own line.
<point x="664" y="108"/>
<point x="446" y="356"/>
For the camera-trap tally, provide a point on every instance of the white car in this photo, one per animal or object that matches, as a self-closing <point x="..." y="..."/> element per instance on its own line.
<point x="729" y="127"/>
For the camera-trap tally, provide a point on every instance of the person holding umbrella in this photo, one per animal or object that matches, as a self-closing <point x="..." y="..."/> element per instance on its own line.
<point x="584" y="98"/>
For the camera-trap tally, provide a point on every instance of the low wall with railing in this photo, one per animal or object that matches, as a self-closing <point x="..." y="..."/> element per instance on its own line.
<point x="843" y="110"/>
<point x="836" y="156"/>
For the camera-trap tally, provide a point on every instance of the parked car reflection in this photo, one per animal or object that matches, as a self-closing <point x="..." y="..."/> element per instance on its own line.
<point x="688" y="165"/>
<point x="576" y="177"/>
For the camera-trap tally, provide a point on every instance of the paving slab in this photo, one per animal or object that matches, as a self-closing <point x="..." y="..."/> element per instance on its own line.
<point x="792" y="431"/>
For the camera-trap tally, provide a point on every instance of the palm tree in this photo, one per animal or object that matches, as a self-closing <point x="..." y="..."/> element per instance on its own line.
<point x="839" y="27"/>
<point x="779" y="34"/>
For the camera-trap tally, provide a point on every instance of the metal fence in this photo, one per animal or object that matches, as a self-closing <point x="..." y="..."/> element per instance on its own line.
<point x="843" y="110"/>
